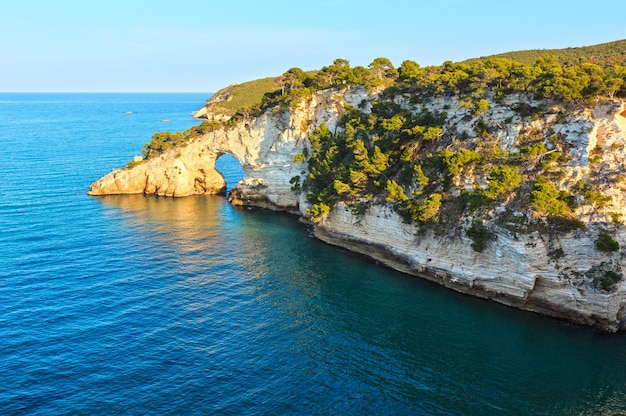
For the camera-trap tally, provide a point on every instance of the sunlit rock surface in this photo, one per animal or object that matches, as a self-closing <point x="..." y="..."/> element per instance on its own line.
<point x="521" y="270"/>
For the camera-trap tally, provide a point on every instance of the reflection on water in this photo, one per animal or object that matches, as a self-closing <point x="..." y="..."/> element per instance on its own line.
<point x="174" y="215"/>
<point x="190" y="224"/>
<point x="187" y="224"/>
<point x="139" y="305"/>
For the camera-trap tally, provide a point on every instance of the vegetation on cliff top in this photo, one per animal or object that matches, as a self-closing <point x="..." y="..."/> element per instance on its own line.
<point x="229" y="100"/>
<point x="165" y="140"/>
<point x="405" y="156"/>
<point x="605" y="53"/>
<point x="250" y="95"/>
<point x="408" y="158"/>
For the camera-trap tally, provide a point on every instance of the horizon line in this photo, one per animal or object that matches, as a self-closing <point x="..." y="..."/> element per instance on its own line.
<point x="107" y="92"/>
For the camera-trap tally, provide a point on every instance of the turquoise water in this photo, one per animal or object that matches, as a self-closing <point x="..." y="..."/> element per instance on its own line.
<point x="138" y="305"/>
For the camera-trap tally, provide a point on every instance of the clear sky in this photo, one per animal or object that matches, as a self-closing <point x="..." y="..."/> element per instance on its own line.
<point x="201" y="46"/>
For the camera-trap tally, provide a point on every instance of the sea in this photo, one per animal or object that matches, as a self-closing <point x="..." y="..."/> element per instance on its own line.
<point x="138" y="305"/>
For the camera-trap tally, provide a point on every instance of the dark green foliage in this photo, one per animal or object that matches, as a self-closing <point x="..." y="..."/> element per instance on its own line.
<point x="549" y="75"/>
<point x="295" y="184"/>
<point x="474" y="199"/>
<point x="163" y="141"/>
<point x="406" y="157"/>
<point x="482" y="129"/>
<point x="557" y="254"/>
<point x="300" y="157"/>
<point x="383" y="70"/>
<point x="374" y="157"/>
<point x="608" y="280"/>
<point x="414" y="209"/>
<point x="359" y="208"/>
<point x="606" y="243"/>
<point x="133" y="163"/>
<point x="604" y="51"/>
<point x="395" y="193"/>
<point x="605" y="276"/>
<point x="480" y="106"/>
<point x="479" y="234"/>
<point x="572" y="74"/>
<point x="455" y="161"/>
<point x="394" y="153"/>
<point x="381" y="154"/>
<point x="428" y="210"/>
<point x="564" y="224"/>
<point x="206" y="127"/>
<point x="409" y="69"/>
<point x="595" y="197"/>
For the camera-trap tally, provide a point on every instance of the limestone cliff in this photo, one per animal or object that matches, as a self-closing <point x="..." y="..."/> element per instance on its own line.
<point x="556" y="274"/>
<point x="265" y="146"/>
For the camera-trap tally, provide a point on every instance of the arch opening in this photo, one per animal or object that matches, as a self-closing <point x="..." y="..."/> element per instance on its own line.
<point x="230" y="168"/>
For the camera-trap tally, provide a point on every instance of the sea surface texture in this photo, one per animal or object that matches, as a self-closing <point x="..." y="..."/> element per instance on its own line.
<point x="133" y="305"/>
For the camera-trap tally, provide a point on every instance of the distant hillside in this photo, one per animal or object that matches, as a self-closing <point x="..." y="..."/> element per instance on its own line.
<point x="611" y="52"/>
<point x="236" y="96"/>
<point x="570" y="78"/>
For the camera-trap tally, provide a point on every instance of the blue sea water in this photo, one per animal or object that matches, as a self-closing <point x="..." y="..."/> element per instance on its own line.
<point x="136" y="305"/>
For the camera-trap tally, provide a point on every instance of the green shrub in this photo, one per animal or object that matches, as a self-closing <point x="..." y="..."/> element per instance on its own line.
<point x="428" y="210"/>
<point x="479" y="234"/>
<point x="475" y="199"/>
<point x="595" y="197"/>
<point x="358" y="209"/>
<point x="295" y="184"/>
<point x="503" y="179"/>
<point x="164" y="140"/>
<point x="606" y="243"/>
<point x="206" y="127"/>
<point x="546" y="199"/>
<point x="318" y="212"/>
<point x="564" y="224"/>
<point x="605" y="276"/>
<point x="133" y="163"/>
<point x="609" y="280"/>
<point x="455" y="161"/>
<point x="556" y="254"/>
<point x="481" y="106"/>
<point x="616" y="217"/>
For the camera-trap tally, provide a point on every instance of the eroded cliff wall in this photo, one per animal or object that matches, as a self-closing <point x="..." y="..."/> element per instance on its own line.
<point x="265" y="146"/>
<point x="516" y="270"/>
<point x="553" y="274"/>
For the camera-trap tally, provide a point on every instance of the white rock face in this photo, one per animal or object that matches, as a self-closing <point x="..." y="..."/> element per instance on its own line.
<point x="514" y="270"/>
<point x="265" y="146"/>
<point x="549" y="274"/>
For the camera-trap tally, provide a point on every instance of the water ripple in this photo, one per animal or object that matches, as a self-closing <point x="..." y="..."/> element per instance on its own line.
<point x="139" y="305"/>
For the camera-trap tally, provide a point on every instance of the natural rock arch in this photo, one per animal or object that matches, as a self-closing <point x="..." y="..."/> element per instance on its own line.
<point x="189" y="171"/>
<point x="265" y="147"/>
<point x="230" y="168"/>
<point x="515" y="269"/>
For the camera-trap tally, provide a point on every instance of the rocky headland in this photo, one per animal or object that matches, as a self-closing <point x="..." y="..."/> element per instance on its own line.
<point x="526" y="261"/>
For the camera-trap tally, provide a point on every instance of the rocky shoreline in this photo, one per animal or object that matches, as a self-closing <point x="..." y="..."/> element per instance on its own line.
<point x="516" y="269"/>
